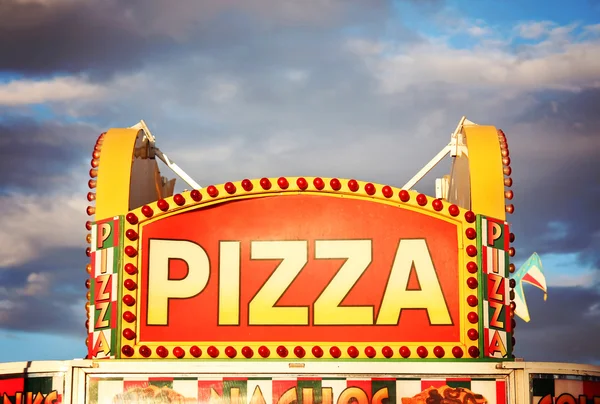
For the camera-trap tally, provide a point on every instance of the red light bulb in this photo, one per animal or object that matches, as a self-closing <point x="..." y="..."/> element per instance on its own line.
<point x="195" y="351"/>
<point x="162" y="205"/>
<point x="472" y="282"/>
<point x="145" y="351"/>
<point x="453" y="210"/>
<point x="162" y="351"/>
<point x="212" y="191"/>
<point x="282" y="351"/>
<point x="370" y="352"/>
<point x="335" y="184"/>
<point x="264" y="351"/>
<point x="422" y="352"/>
<point x="472" y="317"/>
<point x="247" y="185"/>
<point x="129" y="300"/>
<point x="472" y="267"/>
<point x="147" y="211"/>
<point x="404" y="195"/>
<point x="130" y="269"/>
<point x="230" y="188"/>
<point x="265" y="183"/>
<point x="422" y="199"/>
<point x="299" y="352"/>
<point x="283" y="183"/>
<point x="178" y="352"/>
<point x="319" y="183"/>
<point x="129" y="284"/>
<point x="472" y="300"/>
<point x="473" y="334"/>
<point x="439" y="352"/>
<point x="471" y="250"/>
<point x="212" y="351"/>
<point x="128" y="334"/>
<point x="127" y="350"/>
<point x="353" y="185"/>
<point x="370" y="188"/>
<point x="131" y="234"/>
<point x="247" y="352"/>
<point x="387" y="191"/>
<point x="387" y="351"/>
<point x="302" y="183"/>
<point x="437" y="205"/>
<point x="457" y="352"/>
<point x="352" y="351"/>
<point x="335" y="352"/>
<point x="471" y="233"/>
<point x="131" y="218"/>
<point x="317" y="351"/>
<point x="178" y="199"/>
<point x="196" y="195"/>
<point x="130" y="251"/>
<point x="129" y="317"/>
<point x="469" y="216"/>
<point x="404" y="352"/>
<point x="474" y="352"/>
<point x="230" y="352"/>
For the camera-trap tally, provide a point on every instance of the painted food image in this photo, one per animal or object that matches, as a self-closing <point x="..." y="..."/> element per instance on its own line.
<point x="151" y="394"/>
<point x="446" y="395"/>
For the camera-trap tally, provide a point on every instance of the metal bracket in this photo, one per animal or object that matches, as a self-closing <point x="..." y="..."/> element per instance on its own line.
<point x="155" y="151"/>
<point x="456" y="147"/>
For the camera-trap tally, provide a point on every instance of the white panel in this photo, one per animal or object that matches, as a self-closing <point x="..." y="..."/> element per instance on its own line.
<point x="187" y="388"/>
<point x="108" y="389"/>
<point x="407" y="389"/>
<point x="486" y="388"/>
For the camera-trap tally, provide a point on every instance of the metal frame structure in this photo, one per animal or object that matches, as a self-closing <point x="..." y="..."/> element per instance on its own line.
<point x="456" y="147"/>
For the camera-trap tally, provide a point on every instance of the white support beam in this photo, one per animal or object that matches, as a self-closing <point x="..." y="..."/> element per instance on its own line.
<point x="428" y="167"/>
<point x="176" y="169"/>
<point x="163" y="157"/>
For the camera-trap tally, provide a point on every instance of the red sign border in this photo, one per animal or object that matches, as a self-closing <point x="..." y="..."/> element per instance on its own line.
<point x="470" y="310"/>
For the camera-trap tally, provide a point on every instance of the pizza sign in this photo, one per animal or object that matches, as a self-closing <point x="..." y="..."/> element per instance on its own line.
<point x="318" y="268"/>
<point x="276" y="270"/>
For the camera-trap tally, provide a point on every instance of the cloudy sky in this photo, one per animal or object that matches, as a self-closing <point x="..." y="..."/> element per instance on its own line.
<point x="369" y="89"/>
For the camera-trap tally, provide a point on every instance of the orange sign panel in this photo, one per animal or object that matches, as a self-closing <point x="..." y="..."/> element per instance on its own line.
<point x="299" y="268"/>
<point x="319" y="273"/>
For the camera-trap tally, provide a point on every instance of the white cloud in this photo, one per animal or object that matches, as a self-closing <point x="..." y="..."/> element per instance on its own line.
<point x="584" y="279"/>
<point x="557" y="63"/>
<point x="25" y="91"/>
<point x="593" y="310"/>
<point x="32" y="224"/>
<point x="38" y="284"/>
<point x="478" y="31"/>
<point x="534" y="29"/>
<point x="223" y="90"/>
<point x="592" y="29"/>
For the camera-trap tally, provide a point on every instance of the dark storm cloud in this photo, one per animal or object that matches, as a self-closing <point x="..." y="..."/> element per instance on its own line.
<point x="102" y="37"/>
<point x="36" y="154"/>
<point x="45" y="301"/>
<point x="565" y="328"/>
<point x="556" y="178"/>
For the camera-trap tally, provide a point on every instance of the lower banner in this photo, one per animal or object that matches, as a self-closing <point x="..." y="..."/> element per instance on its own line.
<point x="292" y="390"/>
